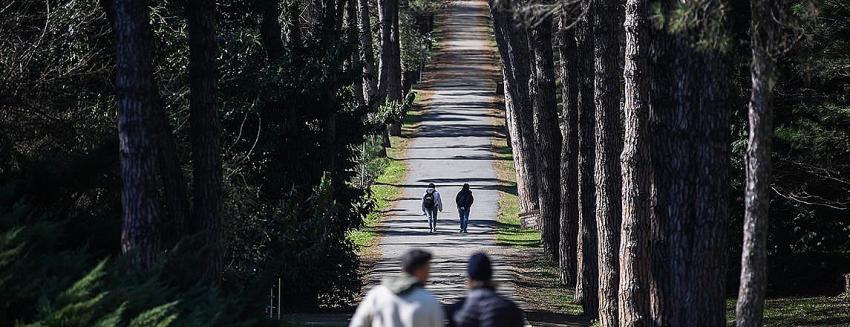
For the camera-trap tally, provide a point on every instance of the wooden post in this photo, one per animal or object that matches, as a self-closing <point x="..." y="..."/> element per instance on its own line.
<point x="271" y="302"/>
<point x="529" y="219"/>
<point x="279" y="282"/>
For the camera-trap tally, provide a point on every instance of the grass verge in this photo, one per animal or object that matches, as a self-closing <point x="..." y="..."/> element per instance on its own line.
<point x="385" y="192"/>
<point x="544" y="298"/>
<point x="508" y="230"/>
<point x="801" y="311"/>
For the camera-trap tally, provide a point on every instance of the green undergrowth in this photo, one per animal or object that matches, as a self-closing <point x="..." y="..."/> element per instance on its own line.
<point x="801" y="311"/>
<point x="384" y="192"/>
<point x="508" y="229"/>
<point x="391" y="171"/>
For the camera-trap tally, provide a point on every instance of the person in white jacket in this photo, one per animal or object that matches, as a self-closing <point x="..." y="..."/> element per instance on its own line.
<point x="402" y="301"/>
<point x="431" y="204"/>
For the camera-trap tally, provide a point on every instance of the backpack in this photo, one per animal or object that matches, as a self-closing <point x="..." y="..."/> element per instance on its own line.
<point x="464" y="199"/>
<point x="428" y="201"/>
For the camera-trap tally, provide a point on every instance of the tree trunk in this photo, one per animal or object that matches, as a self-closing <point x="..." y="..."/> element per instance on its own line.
<point x="137" y="101"/>
<point x="547" y="137"/>
<point x="587" y="270"/>
<point x="339" y="20"/>
<point x="270" y="36"/>
<point x="367" y="55"/>
<point x="206" y="130"/>
<point x="171" y="176"/>
<point x="385" y="16"/>
<point x="394" y="84"/>
<point x="293" y="33"/>
<point x="516" y="146"/>
<point x="569" y="150"/>
<point x="691" y="182"/>
<point x="513" y="49"/>
<point x="699" y="268"/>
<point x="270" y="29"/>
<point x="609" y="146"/>
<point x="661" y="83"/>
<point x="634" y="308"/>
<point x="328" y="22"/>
<point x="355" y="62"/>
<point x="511" y="119"/>
<point x="389" y="80"/>
<point x="385" y="139"/>
<point x="750" y="307"/>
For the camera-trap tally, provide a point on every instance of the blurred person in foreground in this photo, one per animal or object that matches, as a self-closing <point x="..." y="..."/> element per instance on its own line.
<point x="482" y="306"/>
<point x="402" y="301"/>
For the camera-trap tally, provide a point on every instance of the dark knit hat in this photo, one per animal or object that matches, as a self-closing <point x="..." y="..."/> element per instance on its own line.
<point x="414" y="259"/>
<point x="479" y="267"/>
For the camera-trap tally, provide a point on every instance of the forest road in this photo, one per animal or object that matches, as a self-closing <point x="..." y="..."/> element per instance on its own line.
<point x="452" y="146"/>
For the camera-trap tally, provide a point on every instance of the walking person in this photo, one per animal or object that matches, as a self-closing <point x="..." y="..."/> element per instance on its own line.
<point x="464" y="201"/>
<point x="482" y="306"/>
<point x="402" y="301"/>
<point x="431" y="204"/>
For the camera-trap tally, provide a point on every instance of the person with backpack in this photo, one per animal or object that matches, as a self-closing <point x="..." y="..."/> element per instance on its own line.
<point x="464" y="201"/>
<point x="482" y="306"/>
<point x="431" y="204"/>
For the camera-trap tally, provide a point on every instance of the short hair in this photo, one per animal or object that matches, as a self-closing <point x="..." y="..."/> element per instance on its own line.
<point x="431" y="185"/>
<point x="414" y="259"/>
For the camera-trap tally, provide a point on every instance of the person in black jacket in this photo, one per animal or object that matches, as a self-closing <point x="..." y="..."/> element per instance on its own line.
<point x="482" y="306"/>
<point x="464" y="201"/>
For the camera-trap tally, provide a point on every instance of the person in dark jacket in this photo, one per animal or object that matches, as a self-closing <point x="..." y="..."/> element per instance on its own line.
<point x="464" y="201"/>
<point x="483" y="306"/>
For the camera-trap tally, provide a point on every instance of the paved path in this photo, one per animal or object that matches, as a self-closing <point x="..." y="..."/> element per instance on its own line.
<point x="452" y="146"/>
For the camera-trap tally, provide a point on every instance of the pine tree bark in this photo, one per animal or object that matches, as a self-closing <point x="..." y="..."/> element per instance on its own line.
<point x="569" y="149"/>
<point x="514" y="53"/>
<point x="394" y="84"/>
<point x="270" y="29"/>
<point x="634" y="307"/>
<point x="355" y="62"/>
<point x="699" y="269"/>
<point x="511" y="119"/>
<point x="293" y="33"/>
<point x="385" y="40"/>
<point x="609" y="146"/>
<point x="271" y="39"/>
<point x="339" y="17"/>
<point x="137" y="102"/>
<point x="587" y="269"/>
<point x="171" y="176"/>
<point x="691" y="181"/>
<point x="661" y="83"/>
<point x="389" y="80"/>
<point x="547" y="137"/>
<point x="327" y="25"/>
<point x="367" y="55"/>
<point x="205" y="132"/>
<point x="749" y="311"/>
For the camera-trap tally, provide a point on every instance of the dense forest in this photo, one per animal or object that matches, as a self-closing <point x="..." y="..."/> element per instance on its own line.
<point x="702" y="151"/>
<point x="170" y="161"/>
